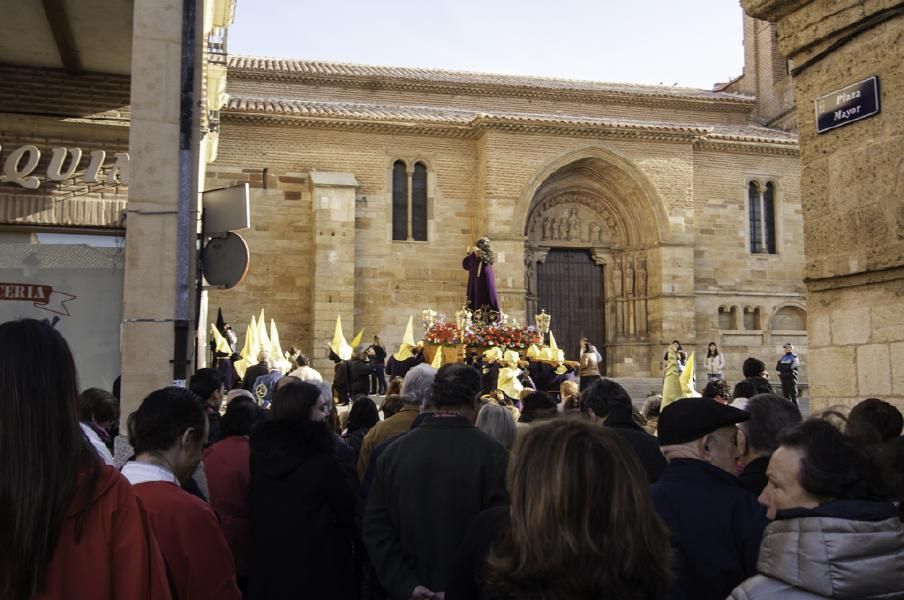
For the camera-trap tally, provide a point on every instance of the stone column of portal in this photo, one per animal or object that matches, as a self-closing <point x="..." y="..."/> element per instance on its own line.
<point x="153" y="271"/>
<point x="333" y="261"/>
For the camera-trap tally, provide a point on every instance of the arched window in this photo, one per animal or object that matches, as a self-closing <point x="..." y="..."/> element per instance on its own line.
<point x="789" y="318"/>
<point x="419" y="203"/>
<point x="728" y="318"/>
<point x="752" y="320"/>
<point x="769" y="217"/>
<point x="761" y="217"/>
<point x="399" y="201"/>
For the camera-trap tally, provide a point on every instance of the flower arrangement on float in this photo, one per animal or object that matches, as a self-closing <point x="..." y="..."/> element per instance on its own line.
<point x="479" y="335"/>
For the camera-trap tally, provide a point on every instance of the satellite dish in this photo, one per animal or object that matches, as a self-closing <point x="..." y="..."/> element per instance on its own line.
<point x="226" y="260"/>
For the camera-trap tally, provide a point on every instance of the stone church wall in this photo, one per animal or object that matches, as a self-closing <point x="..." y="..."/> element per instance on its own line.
<point x="654" y="194"/>
<point x="731" y="281"/>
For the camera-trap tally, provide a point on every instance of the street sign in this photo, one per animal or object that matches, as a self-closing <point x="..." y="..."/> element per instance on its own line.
<point x="850" y="104"/>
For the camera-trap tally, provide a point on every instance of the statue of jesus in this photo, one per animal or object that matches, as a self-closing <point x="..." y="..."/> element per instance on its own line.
<point x="481" y="277"/>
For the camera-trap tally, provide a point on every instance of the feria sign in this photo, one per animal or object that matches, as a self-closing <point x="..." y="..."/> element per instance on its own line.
<point x="22" y="162"/>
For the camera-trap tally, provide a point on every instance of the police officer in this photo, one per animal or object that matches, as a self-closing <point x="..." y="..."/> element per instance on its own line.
<point x="788" y="367"/>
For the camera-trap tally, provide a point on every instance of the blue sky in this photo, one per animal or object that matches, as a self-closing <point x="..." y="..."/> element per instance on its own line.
<point x="692" y="43"/>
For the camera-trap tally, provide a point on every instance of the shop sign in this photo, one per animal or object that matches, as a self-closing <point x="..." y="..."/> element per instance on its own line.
<point x="20" y="165"/>
<point x="847" y="105"/>
<point x="41" y="296"/>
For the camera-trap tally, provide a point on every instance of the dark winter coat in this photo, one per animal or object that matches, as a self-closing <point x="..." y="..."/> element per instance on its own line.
<point x="252" y="373"/>
<point x="753" y="477"/>
<point x="645" y="446"/>
<point x="716" y="528"/>
<point x="430" y="485"/>
<point x="302" y="511"/>
<point x="359" y="376"/>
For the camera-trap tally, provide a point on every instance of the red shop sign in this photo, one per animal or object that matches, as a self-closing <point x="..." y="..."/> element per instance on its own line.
<point x="41" y="296"/>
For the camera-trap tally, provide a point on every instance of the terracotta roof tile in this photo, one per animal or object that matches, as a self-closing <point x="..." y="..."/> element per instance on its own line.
<point x="278" y="66"/>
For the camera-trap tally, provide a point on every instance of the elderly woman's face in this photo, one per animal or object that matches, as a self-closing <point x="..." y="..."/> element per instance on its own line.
<point x="783" y="489"/>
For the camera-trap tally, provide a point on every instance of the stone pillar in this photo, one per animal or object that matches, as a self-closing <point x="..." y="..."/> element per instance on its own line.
<point x="333" y="261"/>
<point x="851" y="189"/>
<point x="157" y="240"/>
<point x="671" y="312"/>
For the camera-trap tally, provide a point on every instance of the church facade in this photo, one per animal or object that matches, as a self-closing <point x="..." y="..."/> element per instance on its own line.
<point x="633" y="214"/>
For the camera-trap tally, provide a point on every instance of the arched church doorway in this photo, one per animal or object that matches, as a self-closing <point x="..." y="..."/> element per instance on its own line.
<point x="591" y="224"/>
<point x="570" y="286"/>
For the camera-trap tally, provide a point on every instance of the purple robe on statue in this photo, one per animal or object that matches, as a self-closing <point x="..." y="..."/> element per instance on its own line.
<point x="482" y="287"/>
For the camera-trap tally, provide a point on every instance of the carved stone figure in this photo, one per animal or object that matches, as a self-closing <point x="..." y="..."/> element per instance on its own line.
<point x="617" y="278"/>
<point x="596" y="232"/>
<point x="574" y="225"/>
<point x="547" y="229"/>
<point x="563" y="228"/>
<point x="530" y="271"/>
<point x="642" y="277"/>
<point x="629" y="277"/>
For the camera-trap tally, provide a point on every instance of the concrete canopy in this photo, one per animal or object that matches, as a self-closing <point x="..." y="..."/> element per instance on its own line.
<point x="79" y="36"/>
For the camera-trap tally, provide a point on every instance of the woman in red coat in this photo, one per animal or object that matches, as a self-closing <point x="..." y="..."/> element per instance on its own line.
<point x="226" y="465"/>
<point x="71" y="527"/>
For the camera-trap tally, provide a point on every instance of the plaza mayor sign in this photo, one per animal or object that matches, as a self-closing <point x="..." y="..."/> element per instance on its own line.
<point x="20" y="166"/>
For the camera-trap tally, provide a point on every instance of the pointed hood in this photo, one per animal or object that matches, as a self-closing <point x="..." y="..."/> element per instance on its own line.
<point x="554" y="348"/>
<point x="338" y="345"/>
<point x="437" y="358"/>
<point x="276" y="352"/>
<point x="221" y="322"/>
<point x="263" y="339"/>
<point x="533" y="352"/>
<point x="494" y="353"/>
<point x="220" y="343"/>
<point x="407" y="344"/>
<point x="357" y="340"/>
<point x="508" y="382"/>
<point x="686" y="380"/>
<point x="671" y="385"/>
<point x="248" y="358"/>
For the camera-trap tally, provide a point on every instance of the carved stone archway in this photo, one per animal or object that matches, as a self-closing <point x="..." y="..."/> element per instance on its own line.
<point x="591" y="205"/>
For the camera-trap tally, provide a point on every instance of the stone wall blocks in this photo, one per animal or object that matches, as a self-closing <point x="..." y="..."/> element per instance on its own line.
<point x="851" y="326"/>
<point x="833" y="372"/>
<point x="873" y="369"/>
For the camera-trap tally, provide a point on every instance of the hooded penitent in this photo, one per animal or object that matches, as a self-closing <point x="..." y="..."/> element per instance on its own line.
<point x="407" y="344"/>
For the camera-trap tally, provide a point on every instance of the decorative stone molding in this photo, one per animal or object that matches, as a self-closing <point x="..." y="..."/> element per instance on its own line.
<point x="573" y="218"/>
<point x="772" y="10"/>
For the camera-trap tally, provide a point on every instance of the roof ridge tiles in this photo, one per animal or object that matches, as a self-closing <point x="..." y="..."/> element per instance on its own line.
<point x="277" y="66"/>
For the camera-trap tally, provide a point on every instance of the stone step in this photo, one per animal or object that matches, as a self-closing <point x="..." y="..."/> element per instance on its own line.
<point x="639" y="387"/>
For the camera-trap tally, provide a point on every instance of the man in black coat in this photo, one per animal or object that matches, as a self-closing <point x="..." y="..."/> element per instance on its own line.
<point x="607" y="403"/>
<point x="207" y="384"/>
<point x="359" y="372"/>
<point x="758" y="437"/>
<point x="756" y="375"/>
<point x="430" y="484"/>
<point x="254" y="371"/>
<point x="716" y="524"/>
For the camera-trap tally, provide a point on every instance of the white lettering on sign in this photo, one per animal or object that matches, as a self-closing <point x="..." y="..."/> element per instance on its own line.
<point x="844" y="114"/>
<point x="21" y="163"/>
<point x="845" y="97"/>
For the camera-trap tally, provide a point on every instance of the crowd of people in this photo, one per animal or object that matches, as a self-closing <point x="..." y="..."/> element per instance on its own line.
<point x="457" y="492"/>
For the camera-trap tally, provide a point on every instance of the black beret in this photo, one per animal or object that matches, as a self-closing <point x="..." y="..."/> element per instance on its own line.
<point x="690" y="419"/>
